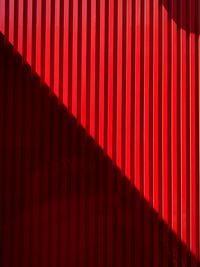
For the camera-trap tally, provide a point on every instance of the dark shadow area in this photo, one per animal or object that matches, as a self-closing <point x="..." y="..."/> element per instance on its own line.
<point x="185" y="13"/>
<point x="62" y="202"/>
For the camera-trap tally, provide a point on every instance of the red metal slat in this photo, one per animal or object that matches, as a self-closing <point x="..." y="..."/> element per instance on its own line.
<point x="147" y="110"/>
<point x="102" y="73"/>
<point x="117" y="147"/>
<point x="127" y="143"/>
<point x="193" y="147"/>
<point x="110" y="77"/>
<point x="74" y="56"/>
<point x="57" y="48"/>
<point x="155" y="104"/>
<point x="65" y="53"/>
<point x="11" y="20"/>
<point x="198" y="88"/>
<point x="137" y="92"/>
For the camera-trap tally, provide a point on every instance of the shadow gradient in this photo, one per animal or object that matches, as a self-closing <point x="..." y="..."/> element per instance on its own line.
<point x="62" y="201"/>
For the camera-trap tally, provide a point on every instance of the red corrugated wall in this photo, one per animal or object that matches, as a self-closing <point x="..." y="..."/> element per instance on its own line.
<point x="129" y="70"/>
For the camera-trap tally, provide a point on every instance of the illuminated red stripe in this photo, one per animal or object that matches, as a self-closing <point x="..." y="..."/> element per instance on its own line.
<point x="102" y="73"/>
<point x="20" y="27"/>
<point x="146" y="98"/>
<point x="198" y="88"/>
<point x="61" y="49"/>
<point x="43" y="40"/>
<point x="174" y="120"/>
<point x="2" y="17"/>
<point x="74" y="57"/>
<point x="128" y="88"/>
<point x="119" y="129"/>
<point x="29" y="30"/>
<point x="38" y="36"/>
<point x="193" y="145"/>
<point x="57" y="48"/>
<point x="11" y="20"/>
<point x="92" y="68"/>
<point x="65" y="53"/>
<point x="155" y="106"/>
<point x="183" y="121"/>
<point x="109" y="128"/>
<point x="137" y="93"/>
<point x="165" y="114"/>
<point x="83" y="63"/>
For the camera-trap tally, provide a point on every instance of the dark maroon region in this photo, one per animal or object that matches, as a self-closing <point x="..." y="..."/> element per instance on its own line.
<point x="185" y="13"/>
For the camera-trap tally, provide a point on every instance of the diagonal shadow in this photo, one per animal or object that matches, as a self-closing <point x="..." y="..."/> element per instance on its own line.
<point x="62" y="202"/>
<point x="185" y="13"/>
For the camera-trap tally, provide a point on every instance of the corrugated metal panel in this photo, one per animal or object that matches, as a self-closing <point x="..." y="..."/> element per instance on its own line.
<point x="62" y="200"/>
<point x="130" y="72"/>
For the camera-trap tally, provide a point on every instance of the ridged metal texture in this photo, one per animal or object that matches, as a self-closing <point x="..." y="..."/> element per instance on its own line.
<point x="62" y="200"/>
<point x="130" y="72"/>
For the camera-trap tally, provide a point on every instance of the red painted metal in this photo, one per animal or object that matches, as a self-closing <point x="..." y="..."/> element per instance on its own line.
<point x="130" y="72"/>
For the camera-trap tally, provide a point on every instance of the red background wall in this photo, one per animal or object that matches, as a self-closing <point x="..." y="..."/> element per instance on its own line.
<point x="130" y="72"/>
